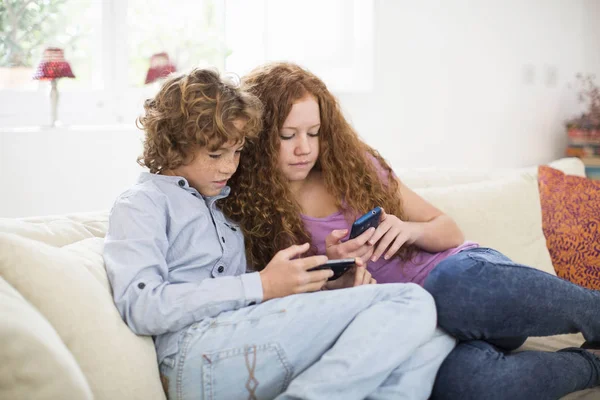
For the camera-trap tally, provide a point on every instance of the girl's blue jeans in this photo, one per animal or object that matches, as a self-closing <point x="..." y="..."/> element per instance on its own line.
<point x="492" y="305"/>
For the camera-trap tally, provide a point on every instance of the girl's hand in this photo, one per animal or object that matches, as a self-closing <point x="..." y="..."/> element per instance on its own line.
<point x="357" y="276"/>
<point x="286" y="274"/>
<point x="391" y="234"/>
<point x="355" y="248"/>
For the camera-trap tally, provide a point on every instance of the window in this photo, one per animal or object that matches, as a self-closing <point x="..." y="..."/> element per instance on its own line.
<point x="28" y="27"/>
<point x="333" y="38"/>
<point x="190" y="31"/>
<point x="109" y="44"/>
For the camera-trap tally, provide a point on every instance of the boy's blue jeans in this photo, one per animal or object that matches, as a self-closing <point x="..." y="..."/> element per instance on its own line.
<point x="374" y="341"/>
<point x="492" y="305"/>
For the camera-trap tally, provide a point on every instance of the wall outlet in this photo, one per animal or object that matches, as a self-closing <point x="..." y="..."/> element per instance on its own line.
<point x="551" y="78"/>
<point x="528" y="74"/>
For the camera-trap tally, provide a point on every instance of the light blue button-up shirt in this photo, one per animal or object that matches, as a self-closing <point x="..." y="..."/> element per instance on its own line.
<point x="174" y="259"/>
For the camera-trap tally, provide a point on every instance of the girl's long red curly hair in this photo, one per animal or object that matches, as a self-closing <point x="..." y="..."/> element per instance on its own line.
<point x="261" y="201"/>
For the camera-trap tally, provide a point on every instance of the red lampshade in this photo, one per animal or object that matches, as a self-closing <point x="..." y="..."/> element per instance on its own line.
<point x="53" y="65"/>
<point x="160" y="66"/>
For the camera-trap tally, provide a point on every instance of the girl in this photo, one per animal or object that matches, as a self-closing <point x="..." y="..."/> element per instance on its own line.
<point x="321" y="176"/>
<point x="178" y="272"/>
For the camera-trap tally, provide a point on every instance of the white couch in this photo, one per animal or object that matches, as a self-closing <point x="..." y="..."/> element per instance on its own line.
<point x="62" y="337"/>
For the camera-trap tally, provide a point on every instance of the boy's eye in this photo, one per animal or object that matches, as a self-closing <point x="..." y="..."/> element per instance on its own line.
<point x="214" y="155"/>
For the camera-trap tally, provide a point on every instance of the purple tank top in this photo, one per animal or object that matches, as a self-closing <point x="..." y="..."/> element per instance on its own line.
<point x="384" y="271"/>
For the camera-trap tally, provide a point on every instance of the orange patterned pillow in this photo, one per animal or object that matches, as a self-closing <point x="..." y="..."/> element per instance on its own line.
<point x="571" y="223"/>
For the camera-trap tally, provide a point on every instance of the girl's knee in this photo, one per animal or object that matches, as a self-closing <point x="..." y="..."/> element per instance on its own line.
<point x="448" y="274"/>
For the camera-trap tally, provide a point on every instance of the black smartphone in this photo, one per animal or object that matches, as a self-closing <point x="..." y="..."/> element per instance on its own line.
<point x="339" y="267"/>
<point x="369" y="220"/>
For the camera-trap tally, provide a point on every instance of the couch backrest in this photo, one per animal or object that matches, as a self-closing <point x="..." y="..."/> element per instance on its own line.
<point x="417" y="178"/>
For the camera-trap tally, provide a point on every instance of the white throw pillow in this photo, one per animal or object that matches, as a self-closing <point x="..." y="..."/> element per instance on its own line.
<point x="503" y="213"/>
<point x="66" y="285"/>
<point x="58" y="230"/>
<point x="35" y="365"/>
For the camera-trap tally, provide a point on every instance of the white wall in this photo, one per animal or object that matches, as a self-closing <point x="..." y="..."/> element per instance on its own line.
<point x="457" y="83"/>
<point x="58" y="171"/>
<point x="451" y="85"/>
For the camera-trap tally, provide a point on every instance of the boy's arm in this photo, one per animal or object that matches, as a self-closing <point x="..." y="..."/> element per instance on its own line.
<point x="135" y="254"/>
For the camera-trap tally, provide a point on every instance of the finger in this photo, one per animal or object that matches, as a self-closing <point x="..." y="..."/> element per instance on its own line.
<point x="359" y="262"/>
<point x="384" y="243"/>
<point x="312" y="287"/>
<point x="357" y="242"/>
<point x="367" y="257"/>
<point x="399" y="242"/>
<point x="381" y="230"/>
<point x="359" y="275"/>
<point x="293" y="251"/>
<point x="366" y="278"/>
<point x="310" y="262"/>
<point x="319" y="275"/>
<point x="383" y="215"/>
<point x="335" y="237"/>
<point x="373" y="281"/>
<point x="360" y="253"/>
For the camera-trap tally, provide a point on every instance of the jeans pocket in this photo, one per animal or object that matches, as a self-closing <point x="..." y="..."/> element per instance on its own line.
<point x="251" y="372"/>
<point x="166" y="369"/>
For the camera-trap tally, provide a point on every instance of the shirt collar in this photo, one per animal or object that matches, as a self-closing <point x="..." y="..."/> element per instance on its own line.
<point x="181" y="182"/>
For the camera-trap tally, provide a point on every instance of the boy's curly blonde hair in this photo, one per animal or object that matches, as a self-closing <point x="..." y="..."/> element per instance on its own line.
<point x="193" y="110"/>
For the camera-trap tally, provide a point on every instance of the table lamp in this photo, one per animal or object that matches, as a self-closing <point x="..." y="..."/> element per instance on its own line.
<point x="160" y="67"/>
<point x="53" y="67"/>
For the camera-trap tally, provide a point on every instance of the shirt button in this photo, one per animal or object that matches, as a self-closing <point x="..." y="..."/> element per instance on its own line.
<point x="181" y="183"/>
<point x="220" y="269"/>
<point x="223" y="239"/>
<point x="141" y="285"/>
<point x="252" y="303"/>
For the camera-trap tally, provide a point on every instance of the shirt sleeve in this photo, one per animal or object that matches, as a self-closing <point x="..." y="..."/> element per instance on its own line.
<point x="382" y="173"/>
<point x="135" y="252"/>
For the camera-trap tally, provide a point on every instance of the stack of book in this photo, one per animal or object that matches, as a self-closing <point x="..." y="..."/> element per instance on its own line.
<point x="585" y="144"/>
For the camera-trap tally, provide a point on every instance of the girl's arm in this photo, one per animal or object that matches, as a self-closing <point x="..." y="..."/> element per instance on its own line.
<point x="426" y="227"/>
<point x="432" y="230"/>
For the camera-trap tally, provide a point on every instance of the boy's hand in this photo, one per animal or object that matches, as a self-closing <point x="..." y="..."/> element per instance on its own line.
<point x="286" y="275"/>
<point x="354" y="248"/>
<point x="357" y="276"/>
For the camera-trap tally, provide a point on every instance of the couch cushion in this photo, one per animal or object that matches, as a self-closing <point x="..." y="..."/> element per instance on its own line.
<point x="417" y="178"/>
<point x="69" y="287"/>
<point x="503" y="213"/>
<point x="573" y="231"/>
<point x="35" y="363"/>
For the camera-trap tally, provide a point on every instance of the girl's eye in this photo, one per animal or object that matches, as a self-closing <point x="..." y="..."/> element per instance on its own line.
<point x="314" y="134"/>
<point x="286" y="137"/>
<point x="239" y="150"/>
